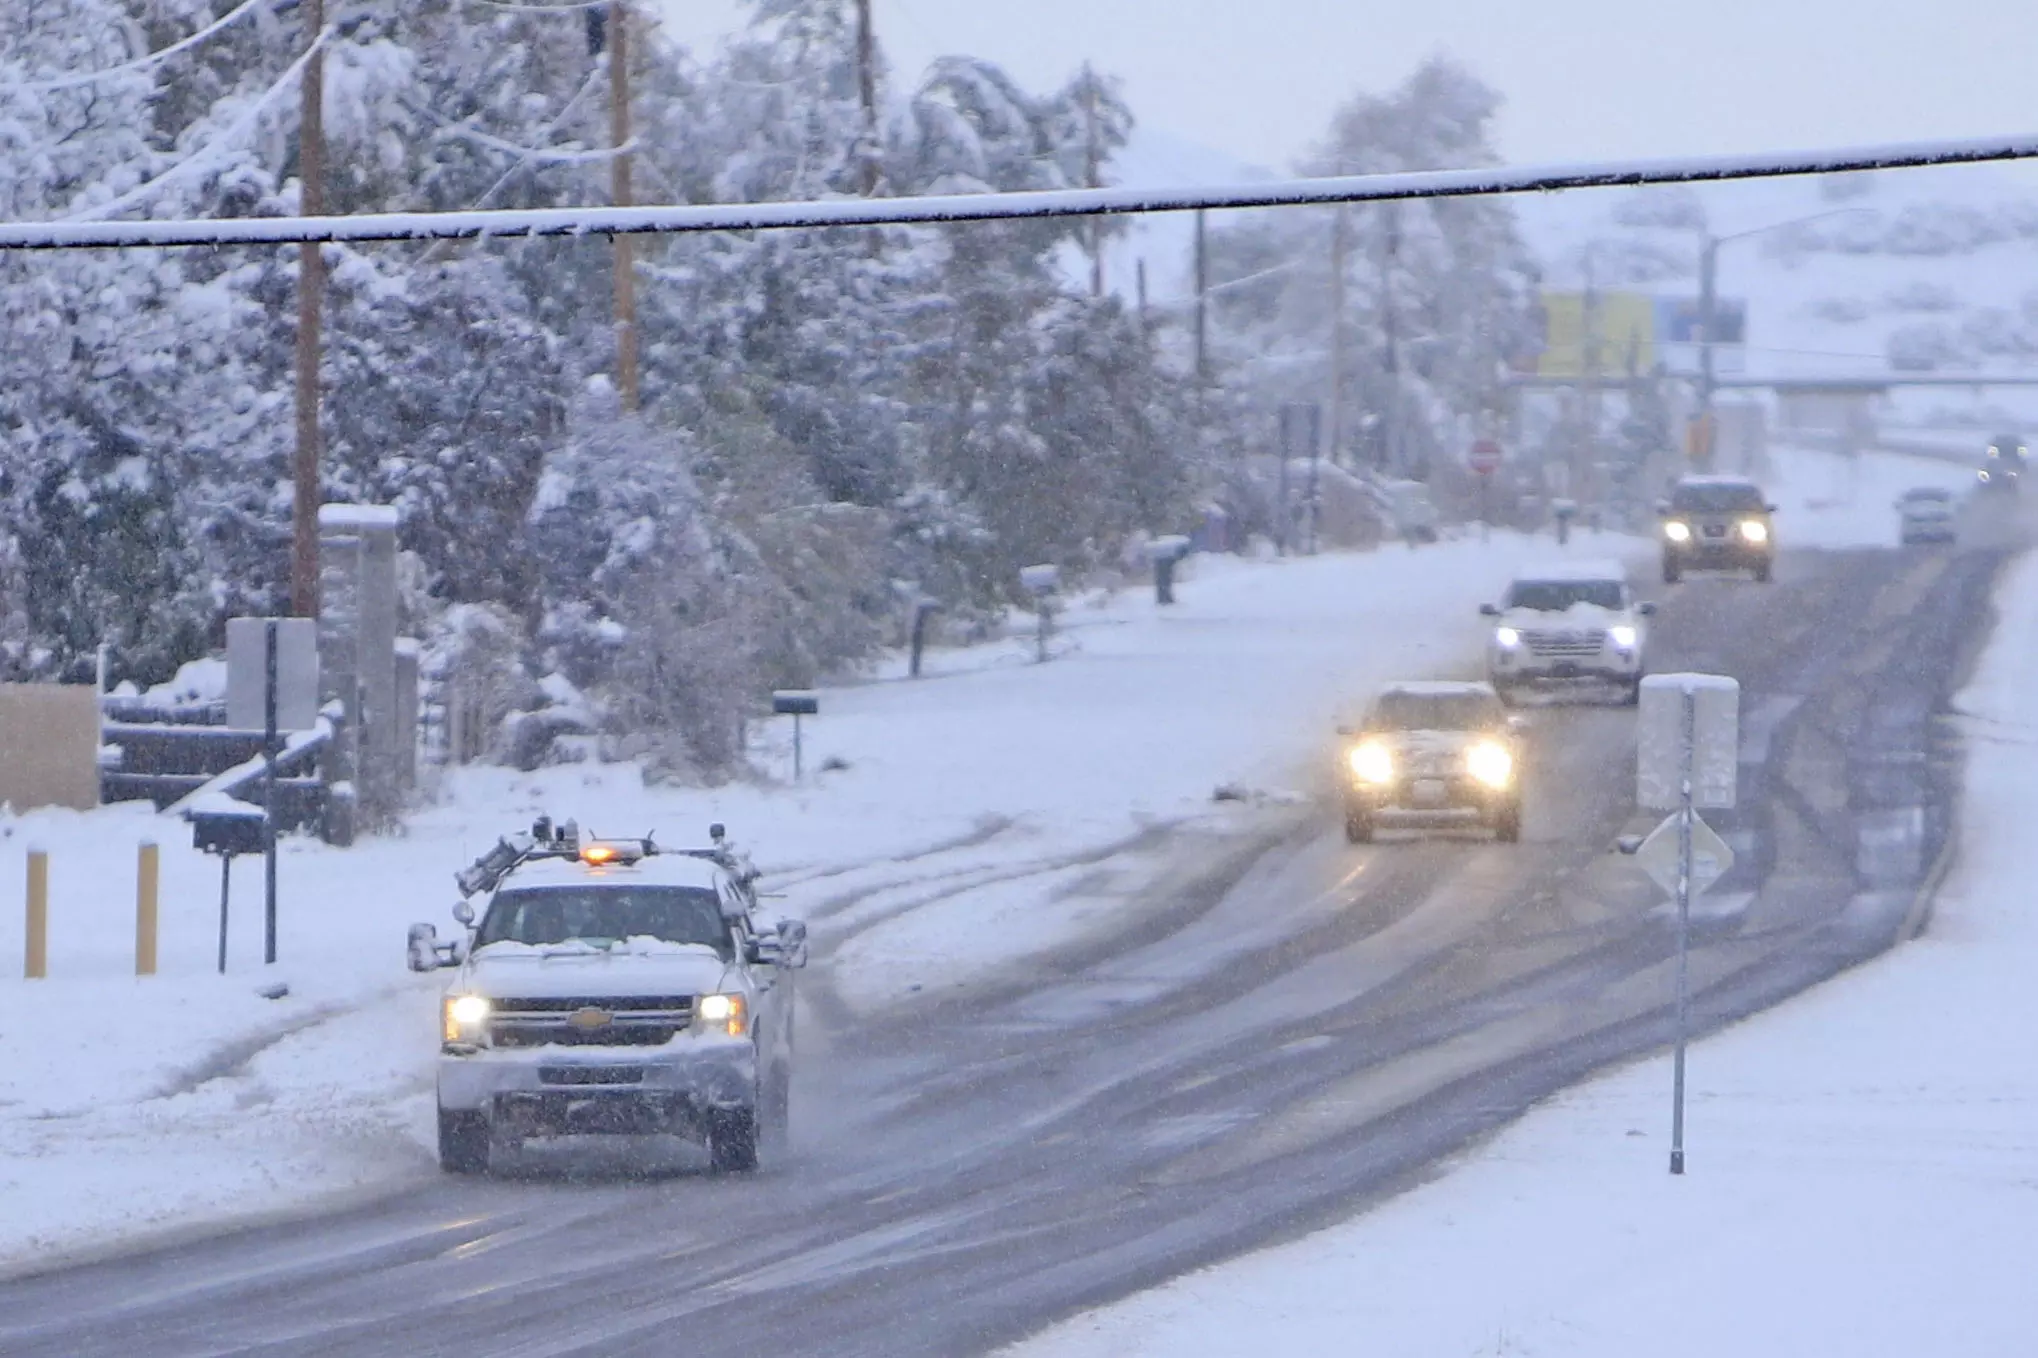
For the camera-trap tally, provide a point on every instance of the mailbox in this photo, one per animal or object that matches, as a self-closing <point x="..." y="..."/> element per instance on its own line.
<point x="230" y="833"/>
<point x="796" y="703"/>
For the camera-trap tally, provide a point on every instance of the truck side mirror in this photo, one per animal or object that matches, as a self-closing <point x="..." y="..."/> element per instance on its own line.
<point x="423" y="948"/>
<point x="1489" y="610"/>
<point x="1646" y="610"/>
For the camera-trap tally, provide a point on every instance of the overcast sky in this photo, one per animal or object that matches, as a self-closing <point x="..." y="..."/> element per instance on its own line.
<point x="1584" y="79"/>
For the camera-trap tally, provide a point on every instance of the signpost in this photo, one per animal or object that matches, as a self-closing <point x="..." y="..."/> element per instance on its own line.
<point x="1484" y="459"/>
<point x="1687" y="758"/>
<point x="796" y="703"/>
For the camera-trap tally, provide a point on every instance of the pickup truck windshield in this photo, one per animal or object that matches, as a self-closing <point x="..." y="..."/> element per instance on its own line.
<point x="603" y="915"/>
<point x="1716" y="497"/>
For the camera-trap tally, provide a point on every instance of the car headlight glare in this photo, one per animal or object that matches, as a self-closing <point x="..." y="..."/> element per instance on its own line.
<point x="1372" y="763"/>
<point x="1677" y="532"/>
<point x="1623" y="637"/>
<point x="722" y="1014"/>
<point x="464" y="1014"/>
<point x="1490" y="763"/>
<point x="1754" y="530"/>
<point x="1507" y="638"/>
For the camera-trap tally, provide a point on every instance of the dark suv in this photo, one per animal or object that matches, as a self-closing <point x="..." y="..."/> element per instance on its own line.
<point x="2002" y="467"/>
<point x="1717" y="523"/>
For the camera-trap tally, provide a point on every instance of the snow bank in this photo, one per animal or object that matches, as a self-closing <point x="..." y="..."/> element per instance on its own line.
<point x="1860" y="1178"/>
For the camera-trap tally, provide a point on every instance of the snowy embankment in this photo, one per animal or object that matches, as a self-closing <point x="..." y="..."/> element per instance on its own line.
<point x="989" y="812"/>
<point x="1861" y="1175"/>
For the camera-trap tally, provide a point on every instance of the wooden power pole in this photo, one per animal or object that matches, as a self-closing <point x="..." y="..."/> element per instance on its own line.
<point x="620" y="195"/>
<point x="1339" y="333"/>
<point x="866" y="88"/>
<point x="310" y="294"/>
<point x="1093" y="178"/>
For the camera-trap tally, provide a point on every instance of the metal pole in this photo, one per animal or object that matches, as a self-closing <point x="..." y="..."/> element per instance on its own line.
<point x="620" y="195"/>
<point x="1684" y="761"/>
<point x="866" y="89"/>
<point x="310" y="299"/>
<point x="269" y="794"/>
<point x="796" y="747"/>
<point x="1390" y="443"/>
<point x="1339" y="333"/>
<point x="226" y="866"/>
<point x="1202" y="308"/>
<point x="1708" y="305"/>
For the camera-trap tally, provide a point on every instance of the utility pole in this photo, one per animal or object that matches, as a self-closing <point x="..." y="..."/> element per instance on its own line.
<point x="866" y="85"/>
<point x="1708" y="307"/>
<point x="311" y="281"/>
<point x="1588" y="443"/>
<point x="620" y="195"/>
<point x="1202" y="308"/>
<point x="1390" y="453"/>
<point x="1092" y="176"/>
<point x="1339" y="334"/>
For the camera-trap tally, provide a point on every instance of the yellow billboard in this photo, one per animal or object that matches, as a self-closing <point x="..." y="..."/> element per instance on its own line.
<point x="1602" y="334"/>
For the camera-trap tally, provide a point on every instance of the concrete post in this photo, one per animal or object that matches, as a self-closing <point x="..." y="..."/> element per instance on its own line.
<point x="147" y="875"/>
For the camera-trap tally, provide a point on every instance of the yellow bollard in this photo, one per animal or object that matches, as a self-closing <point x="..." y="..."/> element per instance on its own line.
<point x="146" y="876"/>
<point x="38" y="963"/>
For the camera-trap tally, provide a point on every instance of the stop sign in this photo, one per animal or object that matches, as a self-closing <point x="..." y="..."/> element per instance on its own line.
<point x="1484" y="457"/>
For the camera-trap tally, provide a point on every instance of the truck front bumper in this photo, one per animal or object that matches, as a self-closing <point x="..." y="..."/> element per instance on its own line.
<point x="558" y="1091"/>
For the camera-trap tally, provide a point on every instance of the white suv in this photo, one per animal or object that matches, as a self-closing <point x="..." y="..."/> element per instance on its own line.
<point x="1575" y="624"/>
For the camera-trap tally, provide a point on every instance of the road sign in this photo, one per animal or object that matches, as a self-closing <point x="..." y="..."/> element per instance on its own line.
<point x="1710" y="855"/>
<point x="1715" y="739"/>
<point x="1484" y="457"/>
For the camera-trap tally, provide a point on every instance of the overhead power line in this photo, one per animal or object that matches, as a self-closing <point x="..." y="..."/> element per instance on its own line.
<point x="72" y="81"/>
<point x="682" y="219"/>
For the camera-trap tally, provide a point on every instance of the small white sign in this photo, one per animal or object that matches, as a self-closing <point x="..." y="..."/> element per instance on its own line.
<point x="247" y="653"/>
<point x="1716" y="744"/>
<point x="1711" y="856"/>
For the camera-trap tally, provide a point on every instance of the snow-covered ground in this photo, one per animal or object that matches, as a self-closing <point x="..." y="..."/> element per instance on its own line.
<point x="1834" y="500"/>
<point x="966" y="831"/>
<point x="1861" y="1177"/>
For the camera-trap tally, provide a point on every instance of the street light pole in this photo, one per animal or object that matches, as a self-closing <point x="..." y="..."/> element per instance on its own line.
<point x="1708" y="305"/>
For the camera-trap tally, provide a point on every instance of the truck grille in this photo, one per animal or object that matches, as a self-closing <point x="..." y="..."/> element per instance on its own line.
<point x="633" y="1021"/>
<point x="1560" y="645"/>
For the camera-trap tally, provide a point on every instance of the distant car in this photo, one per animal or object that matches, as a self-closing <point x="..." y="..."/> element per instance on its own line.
<point x="1714" y="523"/>
<point x="1577" y="623"/>
<point x="1433" y="755"/>
<point x="1411" y="511"/>
<point x="2002" y="466"/>
<point x="1925" y="514"/>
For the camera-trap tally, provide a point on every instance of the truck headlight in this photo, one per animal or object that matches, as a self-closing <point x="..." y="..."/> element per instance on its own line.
<point x="1490" y="763"/>
<point x="1676" y="531"/>
<point x="728" y="1014"/>
<point x="1754" y="530"/>
<point x="1623" y="637"/>
<point x="465" y="1016"/>
<point x="1372" y="763"/>
<point x="1506" y="638"/>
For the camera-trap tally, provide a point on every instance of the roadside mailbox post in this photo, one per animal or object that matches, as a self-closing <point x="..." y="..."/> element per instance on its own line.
<point x="796" y="703"/>
<point x="1166" y="553"/>
<point x="1688" y="753"/>
<point x="1563" y="511"/>
<point x="1042" y="582"/>
<point x="230" y="830"/>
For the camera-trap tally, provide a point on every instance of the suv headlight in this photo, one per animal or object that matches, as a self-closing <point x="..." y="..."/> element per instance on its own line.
<point x="722" y="1015"/>
<point x="465" y="1017"/>
<point x="1372" y="762"/>
<point x="1676" y="531"/>
<point x="1490" y="763"/>
<point x="1754" y="530"/>
<point x="1507" y="638"/>
<point x="1623" y="636"/>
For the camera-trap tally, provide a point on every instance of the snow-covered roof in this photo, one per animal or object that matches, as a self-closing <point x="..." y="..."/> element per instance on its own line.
<point x="1714" y="481"/>
<point x="1604" y="568"/>
<point x="662" y="869"/>
<point x="1439" y="688"/>
<point x="357" y="517"/>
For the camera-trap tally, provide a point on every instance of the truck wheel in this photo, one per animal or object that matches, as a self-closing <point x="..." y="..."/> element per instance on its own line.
<point x="1358" y="827"/>
<point x="732" y="1140"/>
<point x="1631" y="696"/>
<point x="463" y="1142"/>
<point x="1762" y="573"/>
<point x="1672" y="572"/>
<point x="1507" y="824"/>
<point x="1505" y="692"/>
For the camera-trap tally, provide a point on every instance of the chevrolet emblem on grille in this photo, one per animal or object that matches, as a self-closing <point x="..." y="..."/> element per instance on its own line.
<point x="590" y="1018"/>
